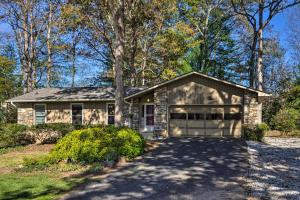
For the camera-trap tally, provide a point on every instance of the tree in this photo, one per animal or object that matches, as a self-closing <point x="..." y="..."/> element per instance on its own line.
<point x="28" y="24"/>
<point x="253" y="13"/>
<point x="9" y="82"/>
<point x="105" y="21"/>
<point x="213" y="51"/>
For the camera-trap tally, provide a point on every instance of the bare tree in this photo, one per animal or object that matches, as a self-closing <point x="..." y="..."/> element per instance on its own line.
<point x="253" y="13"/>
<point x="28" y="24"/>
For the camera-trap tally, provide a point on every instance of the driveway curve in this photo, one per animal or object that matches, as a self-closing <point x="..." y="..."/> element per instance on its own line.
<point x="180" y="168"/>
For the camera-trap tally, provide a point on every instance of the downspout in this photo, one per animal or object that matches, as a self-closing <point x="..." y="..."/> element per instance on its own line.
<point x="12" y="103"/>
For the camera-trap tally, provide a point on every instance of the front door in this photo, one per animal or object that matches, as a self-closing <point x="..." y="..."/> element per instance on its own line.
<point x="149" y="117"/>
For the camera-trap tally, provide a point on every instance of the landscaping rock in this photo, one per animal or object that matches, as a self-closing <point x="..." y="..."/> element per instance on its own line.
<point x="275" y="168"/>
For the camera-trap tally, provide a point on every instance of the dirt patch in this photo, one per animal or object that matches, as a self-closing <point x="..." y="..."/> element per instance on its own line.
<point x="13" y="159"/>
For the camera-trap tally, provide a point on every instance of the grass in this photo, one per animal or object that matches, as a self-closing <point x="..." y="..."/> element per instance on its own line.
<point x="47" y="184"/>
<point x="38" y="185"/>
<point x="9" y="149"/>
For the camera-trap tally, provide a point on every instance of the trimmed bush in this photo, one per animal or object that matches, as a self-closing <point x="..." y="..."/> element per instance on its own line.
<point x="285" y="120"/>
<point x="12" y="135"/>
<point x="255" y="132"/>
<point x="99" y="144"/>
<point x="131" y="143"/>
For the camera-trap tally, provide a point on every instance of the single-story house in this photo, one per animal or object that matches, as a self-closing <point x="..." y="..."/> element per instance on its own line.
<point x="193" y="104"/>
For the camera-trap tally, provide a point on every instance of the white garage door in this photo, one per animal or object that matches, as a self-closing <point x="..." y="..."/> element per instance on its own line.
<point x="205" y="121"/>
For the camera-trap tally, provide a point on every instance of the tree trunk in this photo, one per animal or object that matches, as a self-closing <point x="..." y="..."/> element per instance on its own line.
<point x="49" y="47"/>
<point x="252" y="61"/>
<point x="118" y="24"/>
<point x="259" y="67"/>
<point x="73" y="70"/>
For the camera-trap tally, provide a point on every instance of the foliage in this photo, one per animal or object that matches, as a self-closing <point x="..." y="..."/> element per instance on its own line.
<point x="130" y="143"/>
<point x="293" y="97"/>
<point x="9" y="82"/>
<point x="38" y="163"/>
<point x="285" y="120"/>
<point x="271" y="107"/>
<point x="255" y="132"/>
<point x="213" y="51"/>
<point x="99" y="144"/>
<point x="8" y="114"/>
<point x="13" y="135"/>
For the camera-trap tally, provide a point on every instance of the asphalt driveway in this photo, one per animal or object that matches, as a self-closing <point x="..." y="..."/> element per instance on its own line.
<point x="182" y="168"/>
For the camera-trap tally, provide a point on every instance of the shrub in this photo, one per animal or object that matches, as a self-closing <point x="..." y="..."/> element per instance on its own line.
<point x="50" y="133"/>
<point x="285" y="120"/>
<point x="249" y="132"/>
<point x="130" y="143"/>
<point x="255" y="132"/>
<point x="98" y="144"/>
<point x="260" y="130"/>
<point x="13" y="135"/>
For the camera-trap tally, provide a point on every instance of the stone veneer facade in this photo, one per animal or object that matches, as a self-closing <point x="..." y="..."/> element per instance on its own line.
<point x="161" y="112"/>
<point x="25" y="114"/>
<point x="252" y="109"/>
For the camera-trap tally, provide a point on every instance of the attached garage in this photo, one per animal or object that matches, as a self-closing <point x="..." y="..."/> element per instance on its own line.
<point x="195" y="104"/>
<point x="203" y="120"/>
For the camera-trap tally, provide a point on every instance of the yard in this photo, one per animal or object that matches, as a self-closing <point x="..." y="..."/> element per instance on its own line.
<point x="18" y="184"/>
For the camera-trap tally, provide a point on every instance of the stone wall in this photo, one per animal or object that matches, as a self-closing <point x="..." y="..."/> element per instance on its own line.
<point x="25" y="114"/>
<point x="252" y="109"/>
<point x="135" y="114"/>
<point x="161" y="112"/>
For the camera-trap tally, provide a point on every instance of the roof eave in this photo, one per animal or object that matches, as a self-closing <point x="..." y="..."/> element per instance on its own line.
<point x="56" y="100"/>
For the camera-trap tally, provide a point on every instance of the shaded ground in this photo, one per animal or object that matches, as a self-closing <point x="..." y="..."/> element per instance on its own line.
<point x="9" y="161"/>
<point x="185" y="168"/>
<point x="275" y="168"/>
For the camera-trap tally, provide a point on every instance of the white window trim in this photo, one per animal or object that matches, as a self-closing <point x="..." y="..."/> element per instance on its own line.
<point x="39" y="104"/>
<point x="82" y="114"/>
<point x="107" y="115"/>
<point x="151" y="127"/>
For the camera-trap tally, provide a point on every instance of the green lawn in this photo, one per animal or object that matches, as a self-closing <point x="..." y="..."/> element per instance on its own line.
<point x="48" y="184"/>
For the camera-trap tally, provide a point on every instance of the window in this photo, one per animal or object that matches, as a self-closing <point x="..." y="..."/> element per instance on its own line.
<point x="232" y="116"/>
<point x="40" y="113"/>
<point x="214" y="116"/>
<point x="77" y="114"/>
<point x="195" y="116"/>
<point x="149" y="111"/>
<point x="178" y="115"/>
<point x="110" y="114"/>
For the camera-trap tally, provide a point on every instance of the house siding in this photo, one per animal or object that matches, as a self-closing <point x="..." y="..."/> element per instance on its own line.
<point x="60" y="112"/>
<point x="201" y="90"/>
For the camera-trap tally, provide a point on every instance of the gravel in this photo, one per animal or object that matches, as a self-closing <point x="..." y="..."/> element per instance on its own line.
<point x="274" y="169"/>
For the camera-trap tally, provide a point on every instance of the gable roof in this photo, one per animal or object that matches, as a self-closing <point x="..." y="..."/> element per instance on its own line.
<point x="260" y="93"/>
<point x="71" y="94"/>
<point x="105" y="93"/>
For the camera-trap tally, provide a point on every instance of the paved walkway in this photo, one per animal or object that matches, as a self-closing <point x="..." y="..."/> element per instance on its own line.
<point x="185" y="168"/>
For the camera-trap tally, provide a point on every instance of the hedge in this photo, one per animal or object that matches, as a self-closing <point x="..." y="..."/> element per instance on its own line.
<point x="99" y="144"/>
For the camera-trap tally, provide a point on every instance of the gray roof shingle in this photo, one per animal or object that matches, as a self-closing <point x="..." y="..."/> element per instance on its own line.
<point x="72" y="94"/>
